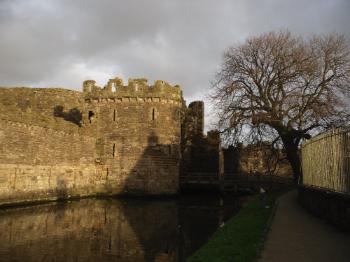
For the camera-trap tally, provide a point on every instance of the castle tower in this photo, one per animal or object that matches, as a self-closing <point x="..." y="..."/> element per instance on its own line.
<point x="138" y="130"/>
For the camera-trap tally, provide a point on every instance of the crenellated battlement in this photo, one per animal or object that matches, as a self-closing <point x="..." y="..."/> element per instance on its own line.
<point x="137" y="88"/>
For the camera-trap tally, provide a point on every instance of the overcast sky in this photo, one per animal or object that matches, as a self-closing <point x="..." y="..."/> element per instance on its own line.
<point x="49" y="43"/>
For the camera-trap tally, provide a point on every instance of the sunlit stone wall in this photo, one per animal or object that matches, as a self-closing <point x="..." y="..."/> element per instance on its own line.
<point x="38" y="163"/>
<point x="58" y="143"/>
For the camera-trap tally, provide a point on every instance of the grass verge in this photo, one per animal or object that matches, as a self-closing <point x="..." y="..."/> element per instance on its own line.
<point x="239" y="239"/>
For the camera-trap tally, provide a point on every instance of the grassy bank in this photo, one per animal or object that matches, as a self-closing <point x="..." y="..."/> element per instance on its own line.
<point x="239" y="238"/>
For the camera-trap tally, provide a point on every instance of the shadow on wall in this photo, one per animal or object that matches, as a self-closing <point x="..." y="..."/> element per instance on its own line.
<point x="74" y="115"/>
<point x="200" y="157"/>
<point x="156" y="171"/>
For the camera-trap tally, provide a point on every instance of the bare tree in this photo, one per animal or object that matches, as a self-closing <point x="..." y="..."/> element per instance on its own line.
<point x="283" y="87"/>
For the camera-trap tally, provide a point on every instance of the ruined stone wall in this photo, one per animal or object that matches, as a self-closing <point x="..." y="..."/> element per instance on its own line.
<point x="200" y="153"/>
<point x="253" y="159"/>
<point x="38" y="163"/>
<point x="138" y="134"/>
<point x="203" y="154"/>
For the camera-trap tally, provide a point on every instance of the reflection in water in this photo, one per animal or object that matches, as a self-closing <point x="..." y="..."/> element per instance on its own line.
<point x="111" y="229"/>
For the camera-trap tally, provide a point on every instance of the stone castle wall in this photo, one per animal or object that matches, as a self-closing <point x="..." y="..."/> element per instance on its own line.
<point x="38" y="163"/>
<point x="120" y="139"/>
<point x="200" y="153"/>
<point x="36" y="106"/>
<point x="138" y="133"/>
<point x="256" y="159"/>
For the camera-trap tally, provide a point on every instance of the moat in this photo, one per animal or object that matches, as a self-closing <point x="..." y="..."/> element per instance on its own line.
<point x="113" y="229"/>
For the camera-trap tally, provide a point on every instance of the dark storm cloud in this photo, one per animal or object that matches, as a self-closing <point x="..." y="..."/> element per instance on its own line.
<point x="63" y="42"/>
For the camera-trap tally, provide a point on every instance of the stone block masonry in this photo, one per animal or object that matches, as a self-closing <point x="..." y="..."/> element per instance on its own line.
<point x="138" y="129"/>
<point x="120" y="140"/>
<point x="38" y="163"/>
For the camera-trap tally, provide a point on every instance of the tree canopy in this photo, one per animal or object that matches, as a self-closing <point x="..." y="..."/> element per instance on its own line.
<point x="283" y="87"/>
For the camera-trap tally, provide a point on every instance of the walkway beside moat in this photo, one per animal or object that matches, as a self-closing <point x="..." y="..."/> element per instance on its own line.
<point x="296" y="235"/>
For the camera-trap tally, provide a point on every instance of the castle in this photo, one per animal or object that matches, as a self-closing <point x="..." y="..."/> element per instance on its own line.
<point x="119" y="139"/>
<point x="137" y="130"/>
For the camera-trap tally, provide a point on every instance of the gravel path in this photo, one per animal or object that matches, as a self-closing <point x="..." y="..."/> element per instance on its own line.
<point x="296" y="235"/>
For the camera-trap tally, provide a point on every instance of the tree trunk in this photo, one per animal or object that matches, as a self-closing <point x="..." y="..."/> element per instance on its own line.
<point x="293" y="157"/>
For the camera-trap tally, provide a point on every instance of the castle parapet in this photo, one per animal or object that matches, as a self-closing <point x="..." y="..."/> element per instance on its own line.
<point x="113" y="84"/>
<point x="88" y="86"/>
<point x="136" y="87"/>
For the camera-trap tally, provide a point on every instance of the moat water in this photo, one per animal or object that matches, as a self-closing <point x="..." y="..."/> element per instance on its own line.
<point x="113" y="229"/>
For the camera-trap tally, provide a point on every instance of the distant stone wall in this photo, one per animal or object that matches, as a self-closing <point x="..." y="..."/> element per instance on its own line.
<point x="254" y="159"/>
<point x="39" y="163"/>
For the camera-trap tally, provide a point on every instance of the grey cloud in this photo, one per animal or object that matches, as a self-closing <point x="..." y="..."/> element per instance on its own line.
<point x="61" y="43"/>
